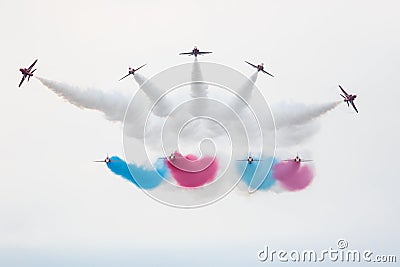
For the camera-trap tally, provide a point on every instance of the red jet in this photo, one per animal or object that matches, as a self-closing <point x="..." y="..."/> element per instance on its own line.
<point x="348" y="98"/>
<point x="170" y="157"/>
<point x="106" y="160"/>
<point x="26" y="72"/>
<point x="259" y="67"/>
<point x="132" y="71"/>
<point x="195" y="52"/>
<point x="297" y="159"/>
<point x="249" y="159"/>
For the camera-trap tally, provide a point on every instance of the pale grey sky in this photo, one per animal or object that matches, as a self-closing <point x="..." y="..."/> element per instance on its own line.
<point x="53" y="198"/>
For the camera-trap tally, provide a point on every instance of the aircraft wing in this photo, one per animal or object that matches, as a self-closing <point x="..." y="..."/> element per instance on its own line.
<point x="306" y="160"/>
<point x="22" y="80"/>
<point x="267" y="73"/>
<point x="124" y="76"/>
<point x="203" y="53"/>
<point x="254" y="66"/>
<point x="33" y="64"/>
<point x="186" y="53"/>
<point x="104" y="161"/>
<point x="140" y="67"/>
<point x="344" y="92"/>
<point x="354" y="106"/>
<point x="242" y="160"/>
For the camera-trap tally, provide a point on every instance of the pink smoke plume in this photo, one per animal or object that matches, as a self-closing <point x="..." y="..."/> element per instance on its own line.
<point x="190" y="171"/>
<point x="292" y="175"/>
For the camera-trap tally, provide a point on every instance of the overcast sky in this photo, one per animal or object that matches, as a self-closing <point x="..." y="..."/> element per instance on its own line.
<point x="54" y="200"/>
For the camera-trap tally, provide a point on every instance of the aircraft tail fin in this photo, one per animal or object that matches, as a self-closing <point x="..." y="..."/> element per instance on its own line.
<point x="29" y="76"/>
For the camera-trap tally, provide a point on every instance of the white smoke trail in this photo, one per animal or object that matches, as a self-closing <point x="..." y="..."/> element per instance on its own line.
<point x="245" y="93"/>
<point x="296" y="134"/>
<point x="112" y="104"/>
<point x="198" y="89"/>
<point x="162" y="104"/>
<point x="290" y="114"/>
<point x="295" y="122"/>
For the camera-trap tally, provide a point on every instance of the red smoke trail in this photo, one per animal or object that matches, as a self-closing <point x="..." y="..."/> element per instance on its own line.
<point x="189" y="171"/>
<point x="292" y="175"/>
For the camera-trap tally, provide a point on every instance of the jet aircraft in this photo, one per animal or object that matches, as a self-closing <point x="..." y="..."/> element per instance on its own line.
<point x="195" y="52"/>
<point x="259" y="68"/>
<point x="132" y="71"/>
<point x="349" y="98"/>
<point x="27" y="72"/>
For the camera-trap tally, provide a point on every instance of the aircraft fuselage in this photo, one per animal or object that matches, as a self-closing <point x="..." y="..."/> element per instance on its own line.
<point x="195" y="52"/>
<point x="350" y="98"/>
<point x="25" y="72"/>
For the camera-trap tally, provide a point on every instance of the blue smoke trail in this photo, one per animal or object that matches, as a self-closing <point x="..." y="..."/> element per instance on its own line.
<point x="259" y="174"/>
<point x="142" y="178"/>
